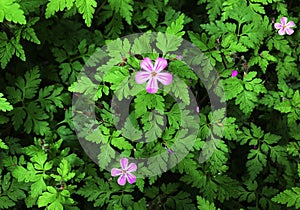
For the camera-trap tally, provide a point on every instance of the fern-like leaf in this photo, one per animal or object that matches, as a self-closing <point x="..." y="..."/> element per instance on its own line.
<point x="54" y="6"/>
<point x="11" y="11"/>
<point x="87" y="9"/>
<point x="124" y="7"/>
<point x="4" y="105"/>
<point x="289" y="197"/>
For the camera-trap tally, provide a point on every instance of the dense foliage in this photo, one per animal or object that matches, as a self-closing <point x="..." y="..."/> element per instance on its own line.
<point x="46" y="43"/>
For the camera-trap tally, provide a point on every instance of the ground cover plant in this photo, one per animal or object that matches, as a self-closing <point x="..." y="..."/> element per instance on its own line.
<point x="149" y="104"/>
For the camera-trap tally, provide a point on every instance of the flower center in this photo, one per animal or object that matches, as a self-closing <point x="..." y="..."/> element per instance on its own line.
<point x="154" y="74"/>
<point x="284" y="26"/>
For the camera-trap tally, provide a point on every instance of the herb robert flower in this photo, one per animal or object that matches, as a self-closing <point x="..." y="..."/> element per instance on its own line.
<point x="234" y="73"/>
<point x="125" y="172"/>
<point x="152" y="74"/>
<point x="284" y="27"/>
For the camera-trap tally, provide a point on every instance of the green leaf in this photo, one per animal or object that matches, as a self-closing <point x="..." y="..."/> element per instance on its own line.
<point x="167" y="42"/>
<point x="105" y="155"/>
<point x="30" y="84"/>
<point x="181" y="200"/>
<point x="96" y="190"/>
<point x="54" y="6"/>
<point x="174" y="116"/>
<point x="4" y="105"/>
<point x="48" y="197"/>
<point x="257" y="8"/>
<point x="219" y="28"/>
<point x="9" y="47"/>
<point x="38" y="187"/>
<point x="217" y="160"/>
<point x="87" y="9"/>
<point x="256" y="162"/>
<point x="152" y="125"/>
<point x="214" y="9"/>
<point x="237" y="10"/>
<point x="158" y="163"/>
<point x="36" y="120"/>
<point x="176" y="27"/>
<point x="140" y="184"/>
<point x="116" y="49"/>
<point x="3" y="145"/>
<point x="144" y="102"/>
<point x="233" y="87"/>
<point x="179" y="89"/>
<point x="151" y="14"/>
<point x="252" y="34"/>
<point x="198" y="41"/>
<point x="20" y="53"/>
<point x="31" y="5"/>
<point x="287" y="68"/>
<point x="5" y="202"/>
<point x="30" y="35"/>
<point x="284" y="106"/>
<point x="246" y="91"/>
<point x="115" y="76"/>
<point x="262" y="61"/>
<point x="247" y="101"/>
<point x="187" y="165"/>
<point x="120" y="142"/>
<point x="50" y="97"/>
<point x="11" y="11"/>
<point x="69" y="71"/>
<point x="115" y="27"/>
<point x="7" y="50"/>
<point x="130" y="131"/>
<point x="279" y="43"/>
<point x="19" y="115"/>
<point x="124" y="7"/>
<point x="205" y="205"/>
<point x="289" y="197"/>
<point x="64" y="172"/>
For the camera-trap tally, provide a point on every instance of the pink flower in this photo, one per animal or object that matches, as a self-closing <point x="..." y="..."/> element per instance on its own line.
<point x="284" y="27"/>
<point x="197" y="109"/>
<point x="179" y="57"/>
<point x="152" y="74"/>
<point x="273" y="20"/>
<point x="125" y="172"/>
<point x="234" y="73"/>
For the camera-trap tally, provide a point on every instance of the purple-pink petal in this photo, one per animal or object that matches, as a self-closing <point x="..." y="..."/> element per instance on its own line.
<point x="131" y="178"/>
<point x="165" y="78"/>
<point x="277" y="25"/>
<point x="281" y="31"/>
<point x="152" y="85"/>
<point x="122" y="180"/>
<point x="290" y="24"/>
<point x="283" y="20"/>
<point x="142" y="77"/>
<point x="160" y="64"/>
<point x="234" y="73"/>
<point x="289" y="31"/>
<point x="124" y="163"/>
<point x="147" y="65"/>
<point x="116" y="172"/>
<point x="132" y="167"/>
